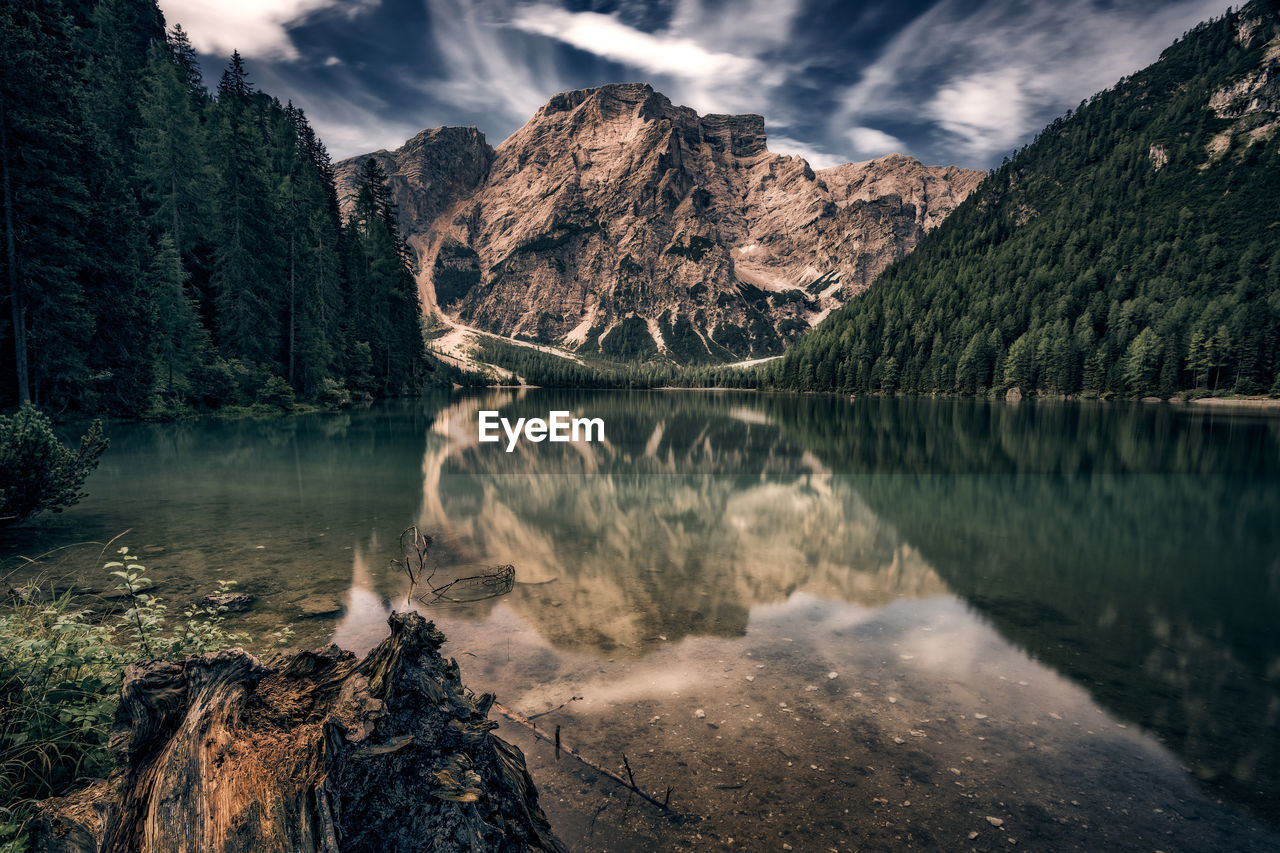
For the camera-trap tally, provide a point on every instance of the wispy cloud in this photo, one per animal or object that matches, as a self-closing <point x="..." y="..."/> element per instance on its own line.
<point x="869" y="142"/>
<point x="489" y="62"/>
<point x="999" y="71"/>
<point x="955" y="81"/>
<point x="257" y="28"/>
<point x="707" y="57"/>
<point x="349" y="129"/>
<point x="816" y="157"/>
<point x="608" y="37"/>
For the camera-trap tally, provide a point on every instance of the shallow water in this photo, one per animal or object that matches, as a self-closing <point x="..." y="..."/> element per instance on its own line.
<point x="825" y="623"/>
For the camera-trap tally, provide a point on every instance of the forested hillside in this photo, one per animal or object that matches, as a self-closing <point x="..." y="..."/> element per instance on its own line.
<point x="554" y="371"/>
<point x="1133" y="248"/>
<point x="167" y="248"/>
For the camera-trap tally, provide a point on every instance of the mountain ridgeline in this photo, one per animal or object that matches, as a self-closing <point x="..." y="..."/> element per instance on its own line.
<point x="167" y="249"/>
<point x="618" y="224"/>
<point x="1133" y="248"/>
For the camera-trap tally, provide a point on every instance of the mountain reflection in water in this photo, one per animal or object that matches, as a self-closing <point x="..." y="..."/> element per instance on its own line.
<point x="1152" y="588"/>
<point x="656" y="532"/>
<point x="1058" y="615"/>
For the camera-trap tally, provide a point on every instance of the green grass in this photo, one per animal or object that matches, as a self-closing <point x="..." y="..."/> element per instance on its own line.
<point x="62" y="659"/>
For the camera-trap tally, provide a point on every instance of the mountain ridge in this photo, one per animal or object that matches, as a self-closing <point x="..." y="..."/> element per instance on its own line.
<point x="618" y="223"/>
<point x="1129" y="250"/>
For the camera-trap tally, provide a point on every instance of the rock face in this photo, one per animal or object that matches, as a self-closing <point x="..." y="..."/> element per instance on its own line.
<point x="617" y="222"/>
<point x="1252" y="101"/>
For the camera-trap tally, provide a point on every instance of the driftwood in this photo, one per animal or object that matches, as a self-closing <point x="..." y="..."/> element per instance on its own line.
<point x="415" y="561"/>
<point x="629" y="783"/>
<point x="312" y="752"/>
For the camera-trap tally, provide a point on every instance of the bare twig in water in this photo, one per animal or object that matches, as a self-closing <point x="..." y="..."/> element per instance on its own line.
<point x="415" y="548"/>
<point x="630" y="775"/>
<point x="492" y="583"/>
<point x="556" y="708"/>
<point x="591" y="830"/>
<point x="522" y="720"/>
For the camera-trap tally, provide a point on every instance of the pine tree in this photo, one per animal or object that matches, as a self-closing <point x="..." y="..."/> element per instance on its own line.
<point x="247" y="303"/>
<point x="1019" y="364"/>
<point x="309" y="235"/>
<point x="386" y="312"/>
<point x="1142" y="362"/>
<point x="43" y="158"/>
<point x="180" y="341"/>
<point x="173" y="171"/>
<point x="184" y="56"/>
<point x="116" y="46"/>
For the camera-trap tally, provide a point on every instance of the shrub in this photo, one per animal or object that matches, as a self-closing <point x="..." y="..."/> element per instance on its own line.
<point x="275" y="393"/>
<point x="37" y="471"/>
<point x="333" y="394"/>
<point x="60" y="675"/>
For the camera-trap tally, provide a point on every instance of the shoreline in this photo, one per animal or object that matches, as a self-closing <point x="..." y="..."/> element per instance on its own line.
<point x="1262" y="403"/>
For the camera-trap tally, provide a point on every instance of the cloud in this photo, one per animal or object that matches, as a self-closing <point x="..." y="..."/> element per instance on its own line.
<point x="987" y="77"/>
<point x="816" y="157"/>
<point x="988" y="111"/>
<point x="609" y="38"/>
<point x="257" y="28"/>
<point x="490" y="64"/>
<point x="944" y="80"/>
<point x="350" y="130"/>
<point x="350" y="116"/>
<point x="701" y="56"/>
<point x="869" y="142"/>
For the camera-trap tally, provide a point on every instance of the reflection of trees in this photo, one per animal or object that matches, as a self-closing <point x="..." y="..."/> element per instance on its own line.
<point x="1133" y="549"/>
<point x="947" y="436"/>
<point x="646" y="535"/>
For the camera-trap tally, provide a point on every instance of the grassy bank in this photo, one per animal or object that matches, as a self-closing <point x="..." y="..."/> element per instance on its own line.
<point x="63" y="653"/>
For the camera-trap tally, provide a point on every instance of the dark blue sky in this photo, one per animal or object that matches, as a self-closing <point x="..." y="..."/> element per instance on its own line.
<point x="948" y="81"/>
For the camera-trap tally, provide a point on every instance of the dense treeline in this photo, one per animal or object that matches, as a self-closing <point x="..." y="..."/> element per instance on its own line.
<point x="553" y="371"/>
<point x="1117" y="254"/>
<point x="167" y="248"/>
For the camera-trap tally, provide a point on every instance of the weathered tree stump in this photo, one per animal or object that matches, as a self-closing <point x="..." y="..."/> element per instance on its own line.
<point x="311" y="752"/>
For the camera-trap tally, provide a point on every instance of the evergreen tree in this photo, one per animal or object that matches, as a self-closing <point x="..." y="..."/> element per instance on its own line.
<point x="180" y="340"/>
<point x="173" y="170"/>
<point x="1142" y="362"/>
<point x="184" y="56"/>
<point x="309" y="235"/>
<point x="163" y="249"/>
<point x="384" y="305"/>
<point x="43" y="159"/>
<point x="1076" y="256"/>
<point x="245" y="296"/>
<point x="115" y="46"/>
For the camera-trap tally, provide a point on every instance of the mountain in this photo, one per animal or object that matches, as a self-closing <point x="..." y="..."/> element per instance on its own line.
<point x="1133" y="248"/>
<point x="619" y="223"/>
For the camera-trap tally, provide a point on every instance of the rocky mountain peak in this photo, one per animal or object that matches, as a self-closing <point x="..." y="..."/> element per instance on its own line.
<point x="617" y="222"/>
<point x="610" y="99"/>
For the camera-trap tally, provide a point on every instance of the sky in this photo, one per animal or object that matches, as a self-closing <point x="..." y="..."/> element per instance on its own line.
<point x="948" y="82"/>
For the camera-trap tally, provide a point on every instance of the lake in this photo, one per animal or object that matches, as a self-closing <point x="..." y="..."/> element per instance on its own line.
<point x="824" y="623"/>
